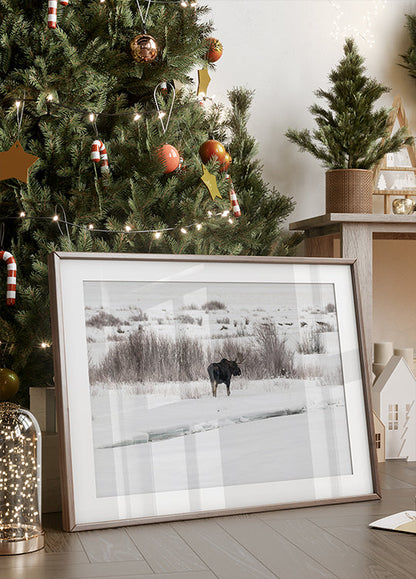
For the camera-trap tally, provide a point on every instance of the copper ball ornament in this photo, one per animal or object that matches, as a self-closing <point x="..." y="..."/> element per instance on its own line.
<point x="403" y="206"/>
<point x="143" y="48"/>
<point x="226" y="163"/>
<point x="212" y="150"/>
<point x="9" y="384"/>
<point x="168" y="157"/>
<point x="214" y="51"/>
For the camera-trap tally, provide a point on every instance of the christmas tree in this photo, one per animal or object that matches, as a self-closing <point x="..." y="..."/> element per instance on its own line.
<point x="104" y="82"/>
<point x="350" y="133"/>
<point x="409" y="57"/>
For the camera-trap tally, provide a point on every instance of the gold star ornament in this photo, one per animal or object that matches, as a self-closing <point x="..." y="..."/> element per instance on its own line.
<point x="203" y="81"/>
<point x="15" y="163"/>
<point x="210" y="181"/>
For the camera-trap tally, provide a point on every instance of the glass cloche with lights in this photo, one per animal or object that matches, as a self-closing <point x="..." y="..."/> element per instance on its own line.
<point x="20" y="474"/>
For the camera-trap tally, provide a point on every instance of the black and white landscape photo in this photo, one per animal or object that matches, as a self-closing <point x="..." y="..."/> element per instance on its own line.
<point x="201" y="385"/>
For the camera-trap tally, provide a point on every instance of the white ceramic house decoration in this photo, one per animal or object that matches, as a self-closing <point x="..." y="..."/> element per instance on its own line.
<point x="394" y="401"/>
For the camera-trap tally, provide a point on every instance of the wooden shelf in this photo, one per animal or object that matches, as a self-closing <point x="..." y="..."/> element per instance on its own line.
<point x="411" y="192"/>
<point x="398" y="169"/>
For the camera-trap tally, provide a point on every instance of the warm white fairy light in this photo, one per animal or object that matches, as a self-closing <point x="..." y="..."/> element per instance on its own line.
<point x="209" y="213"/>
<point x="22" y="214"/>
<point x="199" y="226"/>
<point x="230" y="221"/>
<point x="45" y="345"/>
<point x="19" y="473"/>
<point x="183" y="230"/>
<point x="55" y="218"/>
<point x="18" y="103"/>
<point x="158" y="234"/>
<point x="90" y="226"/>
<point x="184" y="4"/>
<point x="128" y="228"/>
<point x="49" y="97"/>
<point x="92" y="117"/>
<point x="137" y="117"/>
<point x="161" y="114"/>
<point x="225" y="213"/>
<point x="365" y="31"/>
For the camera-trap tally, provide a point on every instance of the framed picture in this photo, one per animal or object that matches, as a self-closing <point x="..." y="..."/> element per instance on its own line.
<point x="194" y="386"/>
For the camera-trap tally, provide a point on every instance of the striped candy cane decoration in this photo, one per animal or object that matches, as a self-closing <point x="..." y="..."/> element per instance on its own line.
<point x="99" y="155"/>
<point x="233" y="199"/>
<point x="11" y="277"/>
<point x="52" y="11"/>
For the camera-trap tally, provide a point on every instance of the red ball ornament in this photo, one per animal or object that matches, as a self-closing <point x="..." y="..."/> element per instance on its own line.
<point x="9" y="384"/>
<point x="212" y="150"/>
<point x="214" y="51"/>
<point x="169" y="157"/>
<point x="226" y="163"/>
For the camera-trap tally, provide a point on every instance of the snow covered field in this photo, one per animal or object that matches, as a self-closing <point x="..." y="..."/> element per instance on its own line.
<point x="156" y="426"/>
<point x="146" y="443"/>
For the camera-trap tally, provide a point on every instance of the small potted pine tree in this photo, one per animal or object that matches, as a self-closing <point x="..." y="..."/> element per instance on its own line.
<point x="351" y="136"/>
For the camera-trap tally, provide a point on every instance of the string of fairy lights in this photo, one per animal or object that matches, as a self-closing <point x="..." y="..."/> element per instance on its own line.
<point x="19" y="475"/>
<point x="59" y="220"/>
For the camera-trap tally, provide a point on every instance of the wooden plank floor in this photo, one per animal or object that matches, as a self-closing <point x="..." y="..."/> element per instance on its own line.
<point x="324" y="542"/>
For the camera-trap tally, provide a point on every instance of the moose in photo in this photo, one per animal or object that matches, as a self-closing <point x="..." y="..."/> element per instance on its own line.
<point x="221" y="372"/>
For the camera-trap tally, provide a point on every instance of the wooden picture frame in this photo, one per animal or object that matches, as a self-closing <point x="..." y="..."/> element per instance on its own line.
<point x="141" y="344"/>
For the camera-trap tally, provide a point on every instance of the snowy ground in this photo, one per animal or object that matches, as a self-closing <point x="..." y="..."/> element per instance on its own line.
<point x="224" y="441"/>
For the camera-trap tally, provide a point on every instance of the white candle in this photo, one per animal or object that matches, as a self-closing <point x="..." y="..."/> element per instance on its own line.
<point x="383" y="351"/>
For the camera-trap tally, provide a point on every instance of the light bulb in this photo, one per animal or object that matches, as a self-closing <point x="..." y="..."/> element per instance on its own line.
<point x="92" y="117"/>
<point x="55" y="218"/>
<point x="198" y="226"/>
<point x="128" y="228"/>
<point x="137" y="117"/>
<point x="183" y="230"/>
<point x="157" y="235"/>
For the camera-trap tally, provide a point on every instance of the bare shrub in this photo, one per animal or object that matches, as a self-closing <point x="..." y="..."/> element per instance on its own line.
<point x="103" y="319"/>
<point x="330" y="308"/>
<point x="223" y="320"/>
<point x="214" y="305"/>
<point x="144" y="356"/>
<point x="190" y="307"/>
<point x="139" y="316"/>
<point x="323" y="327"/>
<point x="311" y="343"/>
<point x="277" y="358"/>
<point x="326" y="377"/>
<point x="186" y="319"/>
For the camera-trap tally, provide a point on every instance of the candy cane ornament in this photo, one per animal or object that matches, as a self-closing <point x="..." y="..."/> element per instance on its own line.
<point x="52" y="11"/>
<point x="233" y="199"/>
<point x="11" y="277"/>
<point x="99" y="155"/>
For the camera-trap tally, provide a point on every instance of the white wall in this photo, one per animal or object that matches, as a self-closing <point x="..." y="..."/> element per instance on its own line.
<point x="285" y="50"/>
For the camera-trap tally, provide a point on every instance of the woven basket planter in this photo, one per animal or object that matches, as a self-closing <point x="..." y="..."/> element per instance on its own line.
<point x="349" y="191"/>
